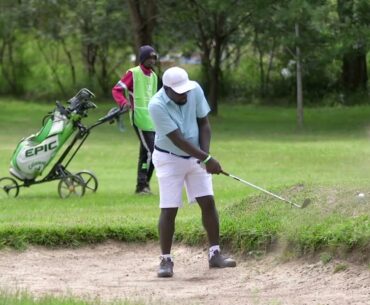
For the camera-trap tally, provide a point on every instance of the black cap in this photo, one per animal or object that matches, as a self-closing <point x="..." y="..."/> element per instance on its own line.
<point x="145" y="52"/>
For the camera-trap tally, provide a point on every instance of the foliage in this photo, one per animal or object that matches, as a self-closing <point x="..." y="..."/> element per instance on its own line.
<point x="68" y="43"/>
<point x="354" y="32"/>
<point x="50" y="48"/>
<point x="218" y="31"/>
<point x="13" y="67"/>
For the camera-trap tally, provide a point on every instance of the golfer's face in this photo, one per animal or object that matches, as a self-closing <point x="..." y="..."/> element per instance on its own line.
<point x="179" y="99"/>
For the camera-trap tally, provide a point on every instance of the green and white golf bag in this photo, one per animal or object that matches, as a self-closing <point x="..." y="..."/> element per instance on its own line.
<point x="35" y="152"/>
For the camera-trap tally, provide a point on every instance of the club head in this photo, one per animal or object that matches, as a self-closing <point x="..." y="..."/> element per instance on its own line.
<point x="305" y="203"/>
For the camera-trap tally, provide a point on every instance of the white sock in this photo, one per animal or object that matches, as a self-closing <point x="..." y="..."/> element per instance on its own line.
<point x="165" y="256"/>
<point x="213" y="249"/>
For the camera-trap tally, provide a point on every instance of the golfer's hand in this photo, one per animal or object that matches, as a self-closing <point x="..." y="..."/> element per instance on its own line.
<point x="213" y="167"/>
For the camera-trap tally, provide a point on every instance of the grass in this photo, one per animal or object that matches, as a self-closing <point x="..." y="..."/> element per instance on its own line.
<point x="327" y="161"/>
<point x="23" y="298"/>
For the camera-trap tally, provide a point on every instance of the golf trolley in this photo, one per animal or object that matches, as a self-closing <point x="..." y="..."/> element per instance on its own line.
<point x="35" y="152"/>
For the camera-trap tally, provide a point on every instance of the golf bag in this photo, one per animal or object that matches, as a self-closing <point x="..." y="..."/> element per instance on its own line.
<point x="35" y="152"/>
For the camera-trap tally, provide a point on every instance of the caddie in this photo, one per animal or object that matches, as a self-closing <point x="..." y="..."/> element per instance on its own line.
<point x="135" y="89"/>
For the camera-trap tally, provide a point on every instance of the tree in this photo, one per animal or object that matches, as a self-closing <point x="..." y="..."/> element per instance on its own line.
<point x="301" y="28"/>
<point x="299" y="80"/>
<point x="13" y="68"/>
<point x="265" y="41"/>
<point x="215" y="26"/>
<point x="51" y="27"/>
<point x="354" y="26"/>
<point x="143" y="15"/>
<point x="102" y="28"/>
<point x="69" y="26"/>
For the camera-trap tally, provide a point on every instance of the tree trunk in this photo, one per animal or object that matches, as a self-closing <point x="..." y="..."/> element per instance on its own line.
<point x="207" y="71"/>
<point x="354" y="71"/>
<point x="216" y="75"/>
<point x="71" y="63"/>
<point x="143" y="15"/>
<point x="53" y="69"/>
<point x="212" y="73"/>
<point x="8" y="65"/>
<point x="299" y="82"/>
<point x="89" y="48"/>
<point x="270" y="65"/>
<point x="213" y="92"/>
<point x="260" y="62"/>
<point x="354" y="66"/>
<point x="89" y="54"/>
<point x="262" y="70"/>
<point x="103" y="76"/>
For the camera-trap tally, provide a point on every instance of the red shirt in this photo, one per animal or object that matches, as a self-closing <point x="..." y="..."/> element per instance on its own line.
<point x="127" y="82"/>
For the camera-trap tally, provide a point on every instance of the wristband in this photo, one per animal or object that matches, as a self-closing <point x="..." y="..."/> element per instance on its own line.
<point x="207" y="159"/>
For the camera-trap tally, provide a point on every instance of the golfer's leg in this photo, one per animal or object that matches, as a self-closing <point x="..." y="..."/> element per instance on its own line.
<point x="210" y="218"/>
<point x="166" y="228"/>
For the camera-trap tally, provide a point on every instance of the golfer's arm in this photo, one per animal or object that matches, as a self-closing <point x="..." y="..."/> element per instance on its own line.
<point x="204" y="134"/>
<point x="177" y="138"/>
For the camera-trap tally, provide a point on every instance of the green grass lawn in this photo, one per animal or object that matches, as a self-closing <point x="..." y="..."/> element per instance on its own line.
<point x="328" y="162"/>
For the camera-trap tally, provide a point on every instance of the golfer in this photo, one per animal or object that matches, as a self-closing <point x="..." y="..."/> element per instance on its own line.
<point x="135" y="89"/>
<point x="181" y="158"/>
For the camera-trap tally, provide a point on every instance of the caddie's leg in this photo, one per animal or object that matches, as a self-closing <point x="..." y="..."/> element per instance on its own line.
<point x="142" y="169"/>
<point x="144" y="161"/>
<point x="147" y="140"/>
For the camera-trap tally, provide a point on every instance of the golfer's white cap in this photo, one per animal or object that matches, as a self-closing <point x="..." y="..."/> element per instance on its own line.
<point x="178" y="80"/>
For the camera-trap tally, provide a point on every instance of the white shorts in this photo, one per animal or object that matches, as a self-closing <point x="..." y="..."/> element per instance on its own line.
<point x="174" y="173"/>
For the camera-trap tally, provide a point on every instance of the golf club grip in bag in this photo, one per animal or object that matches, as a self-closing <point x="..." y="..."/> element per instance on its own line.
<point x="35" y="152"/>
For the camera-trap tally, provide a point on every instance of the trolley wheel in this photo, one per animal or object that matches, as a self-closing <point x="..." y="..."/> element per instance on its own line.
<point x="90" y="180"/>
<point x="71" y="185"/>
<point x="9" y="187"/>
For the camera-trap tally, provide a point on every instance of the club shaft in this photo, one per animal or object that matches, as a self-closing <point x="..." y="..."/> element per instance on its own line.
<point x="260" y="189"/>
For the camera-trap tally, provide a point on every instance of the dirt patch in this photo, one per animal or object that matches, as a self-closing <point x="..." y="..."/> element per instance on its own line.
<point x="117" y="271"/>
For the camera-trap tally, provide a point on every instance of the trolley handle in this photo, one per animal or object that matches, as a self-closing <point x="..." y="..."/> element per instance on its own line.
<point x="62" y="109"/>
<point x="113" y="114"/>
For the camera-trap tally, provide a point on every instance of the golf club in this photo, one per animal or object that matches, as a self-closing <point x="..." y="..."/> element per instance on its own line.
<point x="305" y="203"/>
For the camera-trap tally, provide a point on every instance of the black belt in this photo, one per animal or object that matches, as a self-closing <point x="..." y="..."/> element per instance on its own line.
<point x="168" y="152"/>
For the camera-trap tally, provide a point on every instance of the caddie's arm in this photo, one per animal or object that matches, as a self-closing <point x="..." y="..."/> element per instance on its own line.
<point x="212" y="165"/>
<point x="119" y="91"/>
